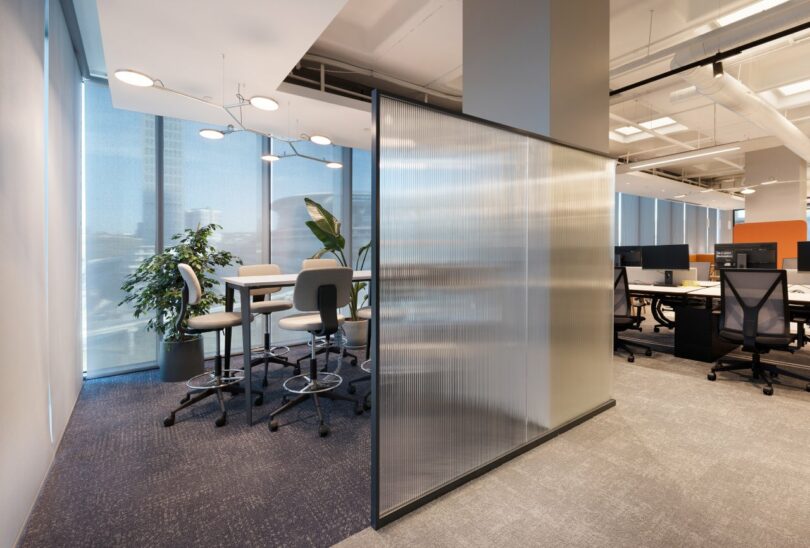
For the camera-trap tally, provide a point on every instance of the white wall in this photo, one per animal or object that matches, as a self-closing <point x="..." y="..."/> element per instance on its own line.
<point x="28" y="220"/>
<point x="786" y="201"/>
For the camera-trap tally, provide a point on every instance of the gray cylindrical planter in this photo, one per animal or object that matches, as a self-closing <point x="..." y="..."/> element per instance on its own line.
<point x="356" y="333"/>
<point x="179" y="361"/>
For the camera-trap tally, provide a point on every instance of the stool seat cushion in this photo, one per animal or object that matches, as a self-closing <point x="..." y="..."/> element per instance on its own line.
<point x="268" y="307"/>
<point x="215" y="320"/>
<point x="304" y="322"/>
<point x="364" y="313"/>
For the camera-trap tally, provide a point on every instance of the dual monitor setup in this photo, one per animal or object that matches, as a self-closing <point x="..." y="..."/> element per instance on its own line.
<point x="654" y="257"/>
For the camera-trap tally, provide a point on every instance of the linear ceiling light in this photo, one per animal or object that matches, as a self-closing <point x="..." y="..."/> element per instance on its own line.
<point x="675" y="158"/>
<point x="794" y="88"/>
<point x="134" y="78"/>
<point x="320" y="140"/>
<point x="263" y="103"/>
<point x="747" y="191"/>
<point x="748" y="11"/>
<point x="680" y="196"/>
<point x="769" y="182"/>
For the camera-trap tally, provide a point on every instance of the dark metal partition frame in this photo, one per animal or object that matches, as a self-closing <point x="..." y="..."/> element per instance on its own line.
<point x="379" y="519"/>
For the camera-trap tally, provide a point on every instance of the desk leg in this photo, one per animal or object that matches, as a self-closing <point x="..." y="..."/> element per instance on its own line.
<point x="228" y="331"/>
<point x="244" y="298"/>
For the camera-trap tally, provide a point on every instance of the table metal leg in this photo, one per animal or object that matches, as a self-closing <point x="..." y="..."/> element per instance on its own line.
<point x="244" y="298"/>
<point x="228" y="331"/>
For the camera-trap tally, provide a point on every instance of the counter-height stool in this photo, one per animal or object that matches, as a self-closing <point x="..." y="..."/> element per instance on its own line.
<point x="263" y="304"/>
<point x="310" y="264"/>
<point x="364" y="314"/>
<point x="319" y="293"/>
<point x="219" y="380"/>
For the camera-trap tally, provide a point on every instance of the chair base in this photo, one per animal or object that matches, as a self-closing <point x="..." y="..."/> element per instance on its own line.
<point x="353" y="389"/>
<point x="332" y="349"/>
<point x="759" y="372"/>
<point x="621" y="344"/>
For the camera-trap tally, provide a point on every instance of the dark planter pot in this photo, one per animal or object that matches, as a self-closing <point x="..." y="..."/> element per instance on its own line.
<point x="179" y="361"/>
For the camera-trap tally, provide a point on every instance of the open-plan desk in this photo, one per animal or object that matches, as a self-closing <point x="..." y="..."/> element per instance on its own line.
<point x="244" y="284"/>
<point x="697" y="337"/>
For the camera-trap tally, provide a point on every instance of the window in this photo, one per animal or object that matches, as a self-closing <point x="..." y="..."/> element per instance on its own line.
<point x="293" y="179"/>
<point x="361" y="202"/>
<point x="218" y="182"/>
<point x="119" y="194"/>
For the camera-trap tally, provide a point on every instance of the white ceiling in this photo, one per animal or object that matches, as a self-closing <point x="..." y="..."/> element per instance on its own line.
<point x="210" y="49"/>
<point x="653" y="186"/>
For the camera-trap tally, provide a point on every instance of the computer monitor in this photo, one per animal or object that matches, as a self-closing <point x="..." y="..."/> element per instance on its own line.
<point x="804" y="257"/>
<point x="627" y="255"/>
<point x="665" y="257"/>
<point x="748" y="255"/>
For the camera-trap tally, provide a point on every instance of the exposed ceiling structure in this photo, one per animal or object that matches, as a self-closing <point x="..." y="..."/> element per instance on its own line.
<point x="327" y="56"/>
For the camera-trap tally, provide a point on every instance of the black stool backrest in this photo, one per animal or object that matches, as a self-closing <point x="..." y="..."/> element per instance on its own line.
<point x="323" y="290"/>
<point x="754" y="303"/>
<point x="621" y="292"/>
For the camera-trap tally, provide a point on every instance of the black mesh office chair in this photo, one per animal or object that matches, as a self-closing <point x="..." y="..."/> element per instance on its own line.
<point x="754" y="313"/>
<point x="623" y="318"/>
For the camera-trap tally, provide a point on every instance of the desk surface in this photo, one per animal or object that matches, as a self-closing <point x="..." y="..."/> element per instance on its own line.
<point x="796" y="293"/>
<point x="281" y="280"/>
<point x="662" y="289"/>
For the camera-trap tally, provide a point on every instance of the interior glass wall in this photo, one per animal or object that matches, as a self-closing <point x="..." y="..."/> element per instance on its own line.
<point x="480" y="295"/>
<point x="120" y="224"/>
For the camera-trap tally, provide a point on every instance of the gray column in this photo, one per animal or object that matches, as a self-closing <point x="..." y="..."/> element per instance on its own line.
<point x="785" y="200"/>
<point x="540" y="65"/>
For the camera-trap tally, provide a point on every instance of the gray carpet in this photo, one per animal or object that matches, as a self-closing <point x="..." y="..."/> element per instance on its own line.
<point x="680" y="461"/>
<point x="121" y="479"/>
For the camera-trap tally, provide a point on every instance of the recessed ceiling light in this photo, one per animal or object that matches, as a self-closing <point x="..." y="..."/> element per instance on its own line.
<point x="211" y="134"/>
<point x="658" y="122"/>
<point x="747" y="191"/>
<point x="770" y="182"/>
<point x="334" y="165"/>
<point x="794" y="88"/>
<point x="627" y="130"/>
<point x="134" y="78"/>
<point x="748" y="11"/>
<point x="321" y="140"/>
<point x="263" y="103"/>
<point x="270" y="158"/>
<point x="705" y="190"/>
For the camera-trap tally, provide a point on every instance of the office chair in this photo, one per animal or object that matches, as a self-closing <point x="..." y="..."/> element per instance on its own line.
<point x="791" y="263"/>
<point x="263" y="304"/>
<point x="364" y="314"/>
<point x="215" y="382"/>
<point x="754" y="313"/>
<point x="622" y="315"/>
<point x="319" y="293"/>
<point x="310" y="264"/>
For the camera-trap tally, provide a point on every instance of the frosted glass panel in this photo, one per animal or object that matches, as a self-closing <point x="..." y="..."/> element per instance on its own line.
<point x="491" y="244"/>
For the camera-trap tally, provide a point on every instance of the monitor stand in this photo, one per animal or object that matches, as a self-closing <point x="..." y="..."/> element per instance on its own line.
<point x="667" y="280"/>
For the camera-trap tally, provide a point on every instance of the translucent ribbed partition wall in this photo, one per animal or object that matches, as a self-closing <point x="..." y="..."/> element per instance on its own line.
<point x="494" y="295"/>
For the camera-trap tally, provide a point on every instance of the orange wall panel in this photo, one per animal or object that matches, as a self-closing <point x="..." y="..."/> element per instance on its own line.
<point x="785" y="233"/>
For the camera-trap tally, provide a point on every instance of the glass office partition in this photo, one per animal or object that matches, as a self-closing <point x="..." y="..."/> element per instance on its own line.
<point x="120" y="224"/>
<point x="491" y="244"/>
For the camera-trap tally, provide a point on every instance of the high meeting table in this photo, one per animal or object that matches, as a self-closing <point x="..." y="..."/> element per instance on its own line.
<point x="244" y="284"/>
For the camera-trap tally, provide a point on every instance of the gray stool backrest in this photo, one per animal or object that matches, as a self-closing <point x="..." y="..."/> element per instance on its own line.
<point x="621" y="292"/>
<point x="305" y="297"/>
<point x="754" y="303"/>
<point x="261" y="270"/>
<point x="192" y="283"/>
<point x="309" y="264"/>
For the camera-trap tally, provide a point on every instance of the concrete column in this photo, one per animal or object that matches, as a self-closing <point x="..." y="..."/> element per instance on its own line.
<point x="784" y="201"/>
<point x="540" y="65"/>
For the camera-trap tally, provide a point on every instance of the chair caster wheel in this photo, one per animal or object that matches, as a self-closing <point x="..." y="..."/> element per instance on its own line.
<point x="351" y="389"/>
<point x="258" y="401"/>
<point x="648" y="352"/>
<point x="185" y="399"/>
<point x="168" y="421"/>
<point x="768" y="391"/>
<point x="807" y="388"/>
<point x="712" y="376"/>
<point x="273" y="425"/>
<point x="323" y="430"/>
<point x="358" y="409"/>
<point x="657" y="330"/>
<point x="631" y="359"/>
<point x="221" y="420"/>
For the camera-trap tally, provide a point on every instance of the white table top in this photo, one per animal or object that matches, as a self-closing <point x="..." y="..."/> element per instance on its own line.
<point x="662" y="289"/>
<point x="796" y="293"/>
<point x="280" y="280"/>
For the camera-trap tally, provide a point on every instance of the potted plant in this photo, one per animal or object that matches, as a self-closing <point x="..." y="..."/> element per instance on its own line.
<point x="326" y="228"/>
<point x="155" y="290"/>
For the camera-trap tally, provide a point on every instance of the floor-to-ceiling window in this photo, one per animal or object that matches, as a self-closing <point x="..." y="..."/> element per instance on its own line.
<point x="120" y="223"/>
